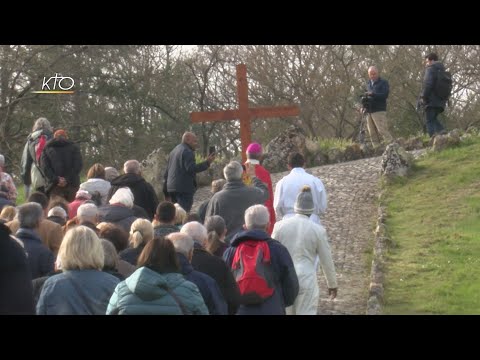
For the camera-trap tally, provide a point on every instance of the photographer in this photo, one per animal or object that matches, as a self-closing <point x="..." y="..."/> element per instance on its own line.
<point x="374" y="103"/>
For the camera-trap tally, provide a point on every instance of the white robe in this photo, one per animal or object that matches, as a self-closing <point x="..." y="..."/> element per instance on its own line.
<point x="289" y="187"/>
<point x="306" y="241"/>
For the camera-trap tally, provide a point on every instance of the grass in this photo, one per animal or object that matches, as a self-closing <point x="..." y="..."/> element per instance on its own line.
<point x="434" y="220"/>
<point x="337" y="143"/>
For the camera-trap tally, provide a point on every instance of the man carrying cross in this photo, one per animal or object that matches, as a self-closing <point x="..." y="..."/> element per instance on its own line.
<point x="180" y="176"/>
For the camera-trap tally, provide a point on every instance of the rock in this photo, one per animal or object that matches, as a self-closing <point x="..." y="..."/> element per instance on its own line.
<point x="278" y="150"/>
<point x="335" y="156"/>
<point x="153" y="169"/>
<point x="353" y="152"/>
<point x="395" y="161"/>
<point x="214" y="172"/>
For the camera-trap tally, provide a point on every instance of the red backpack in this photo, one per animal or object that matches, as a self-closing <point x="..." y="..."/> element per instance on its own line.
<point x="252" y="269"/>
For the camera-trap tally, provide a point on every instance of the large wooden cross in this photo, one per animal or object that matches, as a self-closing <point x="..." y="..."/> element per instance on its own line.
<point x="244" y="113"/>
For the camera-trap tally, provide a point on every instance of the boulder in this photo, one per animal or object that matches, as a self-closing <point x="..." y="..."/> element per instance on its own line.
<point x="153" y="169"/>
<point x="395" y="161"/>
<point x="278" y="150"/>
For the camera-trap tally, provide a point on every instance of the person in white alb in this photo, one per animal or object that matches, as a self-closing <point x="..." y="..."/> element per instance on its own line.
<point x="289" y="186"/>
<point x="306" y="241"/>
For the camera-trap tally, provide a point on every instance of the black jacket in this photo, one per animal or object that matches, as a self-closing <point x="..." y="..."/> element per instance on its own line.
<point x="61" y="157"/>
<point x="143" y="193"/>
<point x="40" y="259"/>
<point x="217" y="269"/>
<point x="428" y="95"/>
<point x="118" y="215"/>
<point x="16" y="292"/>
<point x="380" y="90"/>
<point x="180" y="175"/>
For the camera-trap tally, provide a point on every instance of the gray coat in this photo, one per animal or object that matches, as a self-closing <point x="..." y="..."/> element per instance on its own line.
<point x="428" y="95"/>
<point x="231" y="203"/>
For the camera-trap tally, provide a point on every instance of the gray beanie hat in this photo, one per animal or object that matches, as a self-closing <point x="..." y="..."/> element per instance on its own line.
<point x="304" y="202"/>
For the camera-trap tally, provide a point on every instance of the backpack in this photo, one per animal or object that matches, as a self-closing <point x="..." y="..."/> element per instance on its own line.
<point x="252" y="269"/>
<point x="443" y="84"/>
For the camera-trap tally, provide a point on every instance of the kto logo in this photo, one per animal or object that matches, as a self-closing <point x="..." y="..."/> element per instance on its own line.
<point x="57" y="85"/>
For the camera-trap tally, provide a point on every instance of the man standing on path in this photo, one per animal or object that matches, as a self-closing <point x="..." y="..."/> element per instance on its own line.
<point x="180" y="176"/>
<point x="289" y="186"/>
<point x="377" y="93"/>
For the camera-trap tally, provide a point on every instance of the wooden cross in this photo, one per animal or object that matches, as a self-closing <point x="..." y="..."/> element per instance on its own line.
<point x="244" y="113"/>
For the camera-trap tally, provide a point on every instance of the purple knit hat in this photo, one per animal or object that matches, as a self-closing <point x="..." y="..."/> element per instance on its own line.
<point x="254" y="148"/>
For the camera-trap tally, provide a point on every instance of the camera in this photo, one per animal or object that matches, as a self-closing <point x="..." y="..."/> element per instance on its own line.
<point x="365" y="100"/>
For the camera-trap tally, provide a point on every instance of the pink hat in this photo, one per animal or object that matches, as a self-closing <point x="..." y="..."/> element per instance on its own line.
<point x="254" y="148"/>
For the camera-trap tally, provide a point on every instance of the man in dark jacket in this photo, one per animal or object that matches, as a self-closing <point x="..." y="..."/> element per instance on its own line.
<point x="433" y="104"/>
<point x="61" y="162"/>
<point x="143" y="193"/>
<point x="180" y="176"/>
<point x="236" y="197"/>
<point x="208" y="286"/>
<point x="285" y="281"/>
<point x="15" y="279"/>
<point x="377" y="93"/>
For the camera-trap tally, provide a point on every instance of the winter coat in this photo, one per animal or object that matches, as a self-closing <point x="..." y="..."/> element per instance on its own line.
<point x="380" y="90"/>
<point x="146" y="292"/>
<point x="50" y="232"/>
<point x="30" y="168"/>
<point x="118" y="215"/>
<point x="216" y="268"/>
<point x="180" y="175"/>
<point x="305" y="241"/>
<point x="77" y="292"/>
<point x="61" y="157"/>
<point x="285" y="278"/>
<point x="430" y="99"/>
<point x="41" y="260"/>
<point x="208" y="287"/>
<point x="231" y="203"/>
<point x="143" y="193"/>
<point x="16" y="294"/>
<point x="97" y="185"/>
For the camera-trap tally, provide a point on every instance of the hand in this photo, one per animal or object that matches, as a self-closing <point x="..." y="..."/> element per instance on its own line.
<point x="211" y="157"/>
<point x="333" y="293"/>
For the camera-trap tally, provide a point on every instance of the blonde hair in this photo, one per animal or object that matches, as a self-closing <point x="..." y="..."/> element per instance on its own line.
<point x="141" y="232"/>
<point x="180" y="214"/>
<point x="81" y="249"/>
<point x="8" y="213"/>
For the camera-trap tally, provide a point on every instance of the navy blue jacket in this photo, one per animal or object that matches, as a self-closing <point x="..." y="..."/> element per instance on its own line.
<point x="428" y="95"/>
<point x="380" y="90"/>
<point x="208" y="287"/>
<point x="285" y="282"/>
<point x="180" y="175"/>
<point x="40" y="259"/>
<point x="16" y="293"/>
<point x="118" y="215"/>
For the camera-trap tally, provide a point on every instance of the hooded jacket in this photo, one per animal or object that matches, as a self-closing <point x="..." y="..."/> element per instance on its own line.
<point x="146" y="292"/>
<point x="428" y="94"/>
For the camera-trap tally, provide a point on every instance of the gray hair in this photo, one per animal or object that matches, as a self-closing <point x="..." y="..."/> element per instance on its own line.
<point x="131" y="167"/>
<point x="123" y="196"/>
<point x="29" y="215"/>
<point x="42" y="124"/>
<point x="111" y="173"/>
<point x="257" y="217"/>
<point x="2" y="160"/>
<point x="110" y="255"/>
<point x="196" y="231"/>
<point x="58" y="211"/>
<point x="87" y="212"/>
<point x="215" y="223"/>
<point x="233" y="171"/>
<point x="183" y="243"/>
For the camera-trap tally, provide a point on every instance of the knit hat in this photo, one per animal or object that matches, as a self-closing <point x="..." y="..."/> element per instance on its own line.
<point x="59" y="133"/>
<point x="304" y="202"/>
<point x="83" y="194"/>
<point x="254" y="148"/>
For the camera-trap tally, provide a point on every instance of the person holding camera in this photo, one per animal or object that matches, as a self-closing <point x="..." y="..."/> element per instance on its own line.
<point x="375" y="105"/>
<point x="180" y="181"/>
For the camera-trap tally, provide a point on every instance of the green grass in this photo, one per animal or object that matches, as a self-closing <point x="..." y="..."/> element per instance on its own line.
<point x="434" y="221"/>
<point x="337" y="143"/>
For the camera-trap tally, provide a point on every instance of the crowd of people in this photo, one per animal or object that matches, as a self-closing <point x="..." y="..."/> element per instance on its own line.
<point x="108" y="246"/>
